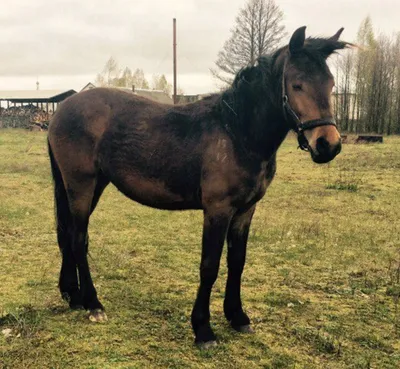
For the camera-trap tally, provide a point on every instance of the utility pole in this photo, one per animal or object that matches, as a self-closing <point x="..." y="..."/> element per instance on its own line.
<point x="174" y="32"/>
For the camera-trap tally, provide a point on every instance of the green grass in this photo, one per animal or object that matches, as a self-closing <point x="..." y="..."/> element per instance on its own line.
<point x="321" y="284"/>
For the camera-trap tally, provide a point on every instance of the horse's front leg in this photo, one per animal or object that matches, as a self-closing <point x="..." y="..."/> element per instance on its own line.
<point x="214" y="232"/>
<point x="237" y="242"/>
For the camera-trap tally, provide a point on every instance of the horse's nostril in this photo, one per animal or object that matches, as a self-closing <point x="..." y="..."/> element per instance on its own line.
<point x="323" y="146"/>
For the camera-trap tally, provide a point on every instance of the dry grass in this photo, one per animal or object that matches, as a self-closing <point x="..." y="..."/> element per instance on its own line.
<point x="322" y="280"/>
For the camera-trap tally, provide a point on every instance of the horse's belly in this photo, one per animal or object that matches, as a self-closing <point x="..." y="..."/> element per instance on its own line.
<point x="155" y="193"/>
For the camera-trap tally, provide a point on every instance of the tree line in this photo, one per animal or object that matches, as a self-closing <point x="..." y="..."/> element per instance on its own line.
<point x="367" y="96"/>
<point x="113" y="76"/>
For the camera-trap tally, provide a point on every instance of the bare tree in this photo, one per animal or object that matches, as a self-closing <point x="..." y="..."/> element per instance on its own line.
<point x="126" y="79"/>
<point x="161" y="83"/>
<point x="257" y="31"/>
<point x="344" y="98"/>
<point x="364" y="66"/>
<point x="139" y="80"/>
<point x="109" y="74"/>
<point x="395" y="126"/>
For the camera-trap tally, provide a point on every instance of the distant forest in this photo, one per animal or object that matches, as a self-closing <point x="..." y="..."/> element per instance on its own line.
<point x="367" y="95"/>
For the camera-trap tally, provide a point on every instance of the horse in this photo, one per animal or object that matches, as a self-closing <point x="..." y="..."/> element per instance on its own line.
<point x="217" y="155"/>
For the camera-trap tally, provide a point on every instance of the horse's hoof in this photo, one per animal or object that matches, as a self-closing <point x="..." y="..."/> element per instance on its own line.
<point x="207" y="345"/>
<point x="244" y="329"/>
<point x="97" y="316"/>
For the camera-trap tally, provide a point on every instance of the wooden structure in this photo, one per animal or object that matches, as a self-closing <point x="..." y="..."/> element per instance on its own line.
<point x="362" y="139"/>
<point x="369" y="139"/>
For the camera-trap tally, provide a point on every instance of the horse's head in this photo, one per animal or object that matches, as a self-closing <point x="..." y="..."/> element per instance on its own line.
<point x="307" y="85"/>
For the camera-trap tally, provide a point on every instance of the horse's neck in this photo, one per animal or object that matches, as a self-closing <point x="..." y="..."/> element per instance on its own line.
<point x="267" y="129"/>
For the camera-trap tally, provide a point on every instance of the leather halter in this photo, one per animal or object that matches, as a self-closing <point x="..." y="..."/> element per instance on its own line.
<point x="294" y="121"/>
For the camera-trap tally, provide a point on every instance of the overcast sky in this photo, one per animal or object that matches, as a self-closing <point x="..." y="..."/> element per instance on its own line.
<point x="66" y="42"/>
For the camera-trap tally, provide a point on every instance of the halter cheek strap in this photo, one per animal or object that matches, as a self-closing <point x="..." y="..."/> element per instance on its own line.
<point x="294" y="121"/>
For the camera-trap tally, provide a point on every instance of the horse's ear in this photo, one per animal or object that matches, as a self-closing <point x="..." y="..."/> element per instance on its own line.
<point x="336" y="36"/>
<point x="297" y="40"/>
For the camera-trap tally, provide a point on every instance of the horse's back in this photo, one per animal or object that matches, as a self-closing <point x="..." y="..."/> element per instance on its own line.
<point x="90" y="113"/>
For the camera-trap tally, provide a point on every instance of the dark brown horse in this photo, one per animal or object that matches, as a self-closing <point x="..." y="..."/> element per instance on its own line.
<point x="217" y="154"/>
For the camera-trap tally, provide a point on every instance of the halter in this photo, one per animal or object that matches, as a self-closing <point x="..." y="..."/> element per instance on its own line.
<point x="297" y="125"/>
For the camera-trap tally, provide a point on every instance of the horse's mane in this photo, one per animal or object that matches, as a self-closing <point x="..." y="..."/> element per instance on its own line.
<point x="251" y="86"/>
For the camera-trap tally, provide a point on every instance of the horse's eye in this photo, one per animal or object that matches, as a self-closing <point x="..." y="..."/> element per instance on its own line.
<point x="297" y="87"/>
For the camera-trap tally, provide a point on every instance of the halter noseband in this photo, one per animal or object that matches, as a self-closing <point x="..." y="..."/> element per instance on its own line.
<point x="297" y="125"/>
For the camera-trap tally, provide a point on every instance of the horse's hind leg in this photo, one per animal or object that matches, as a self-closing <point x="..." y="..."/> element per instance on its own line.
<point x="68" y="282"/>
<point x="81" y="199"/>
<point x="101" y="183"/>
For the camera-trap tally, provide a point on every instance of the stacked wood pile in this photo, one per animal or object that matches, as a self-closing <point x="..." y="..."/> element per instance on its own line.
<point x="26" y="116"/>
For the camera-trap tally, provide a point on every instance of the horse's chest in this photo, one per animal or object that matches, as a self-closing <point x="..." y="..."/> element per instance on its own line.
<point x="229" y="180"/>
<point x="257" y="188"/>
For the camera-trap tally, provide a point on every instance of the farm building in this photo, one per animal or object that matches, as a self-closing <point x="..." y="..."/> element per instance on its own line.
<point x="186" y="99"/>
<point x="154" y="95"/>
<point x="89" y="86"/>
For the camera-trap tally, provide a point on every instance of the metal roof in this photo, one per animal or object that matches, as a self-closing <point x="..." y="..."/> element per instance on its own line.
<point x="155" y="95"/>
<point x="35" y="95"/>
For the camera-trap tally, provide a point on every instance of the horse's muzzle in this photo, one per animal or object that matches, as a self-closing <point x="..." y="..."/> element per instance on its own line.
<point x="324" y="152"/>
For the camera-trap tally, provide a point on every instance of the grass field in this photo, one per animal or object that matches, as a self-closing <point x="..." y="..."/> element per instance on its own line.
<point x="321" y="284"/>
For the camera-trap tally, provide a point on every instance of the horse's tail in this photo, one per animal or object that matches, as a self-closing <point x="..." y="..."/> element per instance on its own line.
<point x="63" y="215"/>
